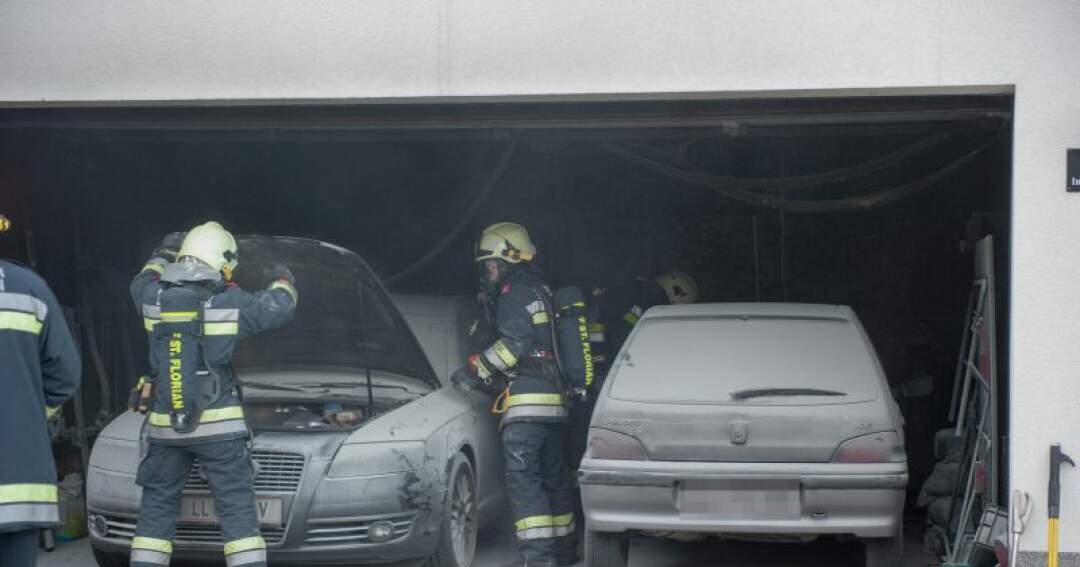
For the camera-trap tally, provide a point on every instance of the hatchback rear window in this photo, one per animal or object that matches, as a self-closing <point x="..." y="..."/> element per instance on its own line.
<point x="747" y="361"/>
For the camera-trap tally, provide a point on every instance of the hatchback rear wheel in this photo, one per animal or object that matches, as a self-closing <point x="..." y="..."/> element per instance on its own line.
<point x="885" y="552"/>
<point x="606" y="549"/>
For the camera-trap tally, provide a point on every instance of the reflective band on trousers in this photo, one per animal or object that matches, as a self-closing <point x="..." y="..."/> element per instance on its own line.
<point x="246" y="558"/>
<point x="152" y="544"/>
<point x="245" y="551"/>
<point x="149" y="556"/>
<point x="40" y="513"/>
<point x="27" y="493"/>
<point x="245" y="544"/>
<point x="538" y="527"/>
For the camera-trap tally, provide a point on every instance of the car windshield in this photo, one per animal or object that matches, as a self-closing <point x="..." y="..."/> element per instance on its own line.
<point x="344" y="318"/>
<point x="749" y="361"/>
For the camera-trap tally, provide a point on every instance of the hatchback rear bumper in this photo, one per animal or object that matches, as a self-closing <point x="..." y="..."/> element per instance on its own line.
<point x="865" y="500"/>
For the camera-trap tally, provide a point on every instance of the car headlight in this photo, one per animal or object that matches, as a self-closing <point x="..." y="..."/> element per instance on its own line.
<point x="369" y="459"/>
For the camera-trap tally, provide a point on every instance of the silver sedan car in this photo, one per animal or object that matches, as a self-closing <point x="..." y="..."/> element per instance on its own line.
<point x="759" y="421"/>
<point x="362" y="453"/>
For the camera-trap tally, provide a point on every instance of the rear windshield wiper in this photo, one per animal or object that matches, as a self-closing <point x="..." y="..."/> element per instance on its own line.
<point x="768" y="392"/>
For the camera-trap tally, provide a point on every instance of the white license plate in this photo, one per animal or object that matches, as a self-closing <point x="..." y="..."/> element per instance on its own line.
<point x="746" y="499"/>
<point x="200" y="510"/>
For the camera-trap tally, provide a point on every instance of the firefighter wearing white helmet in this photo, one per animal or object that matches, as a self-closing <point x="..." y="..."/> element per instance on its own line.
<point x="194" y="315"/>
<point x="521" y="362"/>
<point x="679" y="287"/>
<point x="212" y="245"/>
<point x="614" y="311"/>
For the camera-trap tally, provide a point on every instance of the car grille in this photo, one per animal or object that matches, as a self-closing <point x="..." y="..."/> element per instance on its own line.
<point x="332" y="531"/>
<point x="278" y="472"/>
<point x="124" y="528"/>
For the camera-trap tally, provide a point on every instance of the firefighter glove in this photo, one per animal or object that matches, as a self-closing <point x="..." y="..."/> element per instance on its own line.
<point x="462" y="381"/>
<point x="281" y="272"/>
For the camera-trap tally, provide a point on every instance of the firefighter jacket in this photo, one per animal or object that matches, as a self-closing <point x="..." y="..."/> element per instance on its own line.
<point x="618" y="310"/>
<point x="229" y="314"/>
<point x="39" y="369"/>
<point x="522" y="352"/>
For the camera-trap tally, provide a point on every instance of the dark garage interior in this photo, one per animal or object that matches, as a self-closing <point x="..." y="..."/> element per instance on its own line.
<point x="872" y="202"/>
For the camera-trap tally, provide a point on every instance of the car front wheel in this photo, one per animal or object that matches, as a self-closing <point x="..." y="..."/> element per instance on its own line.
<point x="457" y="544"/>
<point x="604" y="549"/>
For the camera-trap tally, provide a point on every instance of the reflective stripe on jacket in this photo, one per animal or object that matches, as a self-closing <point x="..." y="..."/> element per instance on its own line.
<point x="41" y="370"/>
<point x="230" y="314"/>
<point x="522" y="351"/>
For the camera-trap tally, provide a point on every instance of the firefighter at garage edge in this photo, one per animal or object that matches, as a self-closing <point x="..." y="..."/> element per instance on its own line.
<point x="613" y="313"/>
<point x="41" y="370"/>
<point x="522" y="362"/>
<point x="616" y="310"/>
<point x="194" y="314"/>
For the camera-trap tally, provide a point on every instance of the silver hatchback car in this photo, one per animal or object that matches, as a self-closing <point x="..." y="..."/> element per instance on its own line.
<point x="745" y="420"/>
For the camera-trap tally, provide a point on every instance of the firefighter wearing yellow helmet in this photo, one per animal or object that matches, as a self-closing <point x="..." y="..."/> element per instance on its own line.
<point x="194" y="314"/>
<point x="521" y="362"/>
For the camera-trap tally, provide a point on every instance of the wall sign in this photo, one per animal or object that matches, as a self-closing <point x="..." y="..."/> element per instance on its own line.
<point x="1072" y="183"/>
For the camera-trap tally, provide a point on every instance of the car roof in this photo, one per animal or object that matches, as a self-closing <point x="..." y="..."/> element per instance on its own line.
<point x="783" y="310"/>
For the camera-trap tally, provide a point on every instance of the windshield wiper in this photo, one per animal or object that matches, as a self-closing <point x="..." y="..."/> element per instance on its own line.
<point x="740" y="395"/>
<point x="283" y="387"/>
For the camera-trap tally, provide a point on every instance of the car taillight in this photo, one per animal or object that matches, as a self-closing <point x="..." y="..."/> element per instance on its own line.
<point x="881" y="447"/>
<point x="607" y="444"/>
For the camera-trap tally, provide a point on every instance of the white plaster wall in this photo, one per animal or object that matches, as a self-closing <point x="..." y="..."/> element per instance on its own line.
<point x="248" y="49"/>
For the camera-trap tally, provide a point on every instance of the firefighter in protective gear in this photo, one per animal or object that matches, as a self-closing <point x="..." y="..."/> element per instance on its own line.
<point x="40" y="370"/>
<point x="679" y="287"/>
<point x="522" y="360"/>
<point x="613" y="314"/>
<point x="618" y="309"/>
<point x="200" y="265"/>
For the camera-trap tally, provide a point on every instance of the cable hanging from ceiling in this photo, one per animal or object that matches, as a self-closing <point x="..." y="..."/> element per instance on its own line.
<point x="752" y="190"/>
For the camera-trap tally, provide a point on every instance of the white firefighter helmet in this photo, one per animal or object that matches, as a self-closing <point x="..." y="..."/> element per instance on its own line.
<point x="679" y="287"/>
<point x="212" y="245"/>
<point x="505" y="241"/>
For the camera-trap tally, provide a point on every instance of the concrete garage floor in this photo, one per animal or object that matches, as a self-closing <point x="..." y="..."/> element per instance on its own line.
<point x="497" y="550"/>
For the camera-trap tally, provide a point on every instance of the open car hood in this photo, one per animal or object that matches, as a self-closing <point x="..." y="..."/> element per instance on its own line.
<point x="344" y="318"/>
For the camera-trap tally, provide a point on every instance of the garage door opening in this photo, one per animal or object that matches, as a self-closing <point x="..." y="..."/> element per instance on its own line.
<point x="872" y="200"/>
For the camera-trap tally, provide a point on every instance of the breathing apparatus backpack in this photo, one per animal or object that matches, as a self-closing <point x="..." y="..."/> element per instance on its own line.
<point x="183" y="380"/>
<point x="571" y="330"/>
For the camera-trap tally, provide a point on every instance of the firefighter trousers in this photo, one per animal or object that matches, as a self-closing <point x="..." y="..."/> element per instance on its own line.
<point x="163" y="473"/>
<point x="540" y="494"/>
<point x="19" y="549"/>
